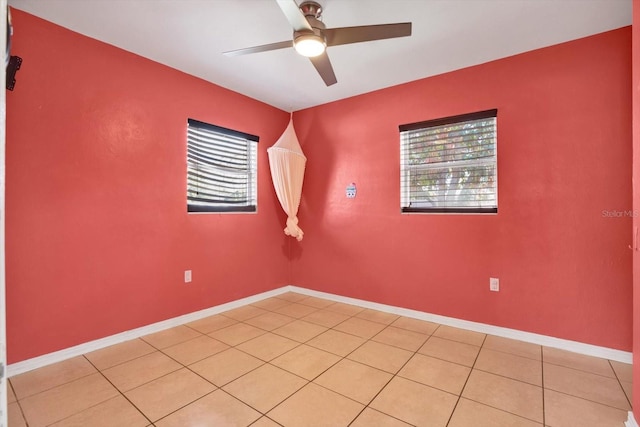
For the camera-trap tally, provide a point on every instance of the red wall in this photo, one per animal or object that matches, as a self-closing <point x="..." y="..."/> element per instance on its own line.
<point x="97" y="232"/>
<point x="98" y="236"/>
<point x="564" y="156"/>
<point x="636" y="205"/>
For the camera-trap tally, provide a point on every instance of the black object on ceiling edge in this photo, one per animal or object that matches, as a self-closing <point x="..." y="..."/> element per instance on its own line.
<point x="14" y="65"/>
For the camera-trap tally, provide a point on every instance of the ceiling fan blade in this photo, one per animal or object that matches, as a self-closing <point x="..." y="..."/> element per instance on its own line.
<point x="348" y="35"/>
<point x="294" y="15"/>
<point x="262" y="48"/>
<point x="324" y="68"/>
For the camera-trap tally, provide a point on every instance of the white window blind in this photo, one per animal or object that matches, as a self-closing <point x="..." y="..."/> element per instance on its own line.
<point x="450" y="164"/>
<point x="221" y="169"/>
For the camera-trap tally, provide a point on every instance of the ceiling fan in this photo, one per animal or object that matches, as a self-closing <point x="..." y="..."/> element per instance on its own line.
<point x="311" y="37"/>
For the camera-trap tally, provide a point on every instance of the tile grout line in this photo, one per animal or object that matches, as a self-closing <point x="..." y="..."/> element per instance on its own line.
<point x="60" y="385"/>
<point x="190" y="403"/>
<point x="514" y="354"/>
<point x="261" y="360"/>
<point x="584" y="398"/>
<point x="197" y="374"/>
<point x="55" y="386"/>
<point x="299" y="344"/>
<point x="501" y="376"/>
<point x="264" y="414"/>
<point x="588" y="400"/>
<point x="620" y="384"/>
<point x="273" y="331"/>
<point x="267" y="417"/>
<point x="24" y="418"/>
<point x="368" y="405"/>
<point x="230" y="395"/>
<point x="117" y="389"/>
<point x="467" y="380"/>
<point x="183" y="366"/>
<point x="382" y="388"/>
<point x="506" y="412"/>
<point x="341" y="358"/>
<point x="615" y="376"/>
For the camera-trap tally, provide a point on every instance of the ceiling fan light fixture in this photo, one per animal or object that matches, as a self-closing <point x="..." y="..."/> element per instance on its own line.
<point x="309" y="45"/>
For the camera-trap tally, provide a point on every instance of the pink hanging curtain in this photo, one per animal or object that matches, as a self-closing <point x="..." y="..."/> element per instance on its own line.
<point x="287" y="162"/>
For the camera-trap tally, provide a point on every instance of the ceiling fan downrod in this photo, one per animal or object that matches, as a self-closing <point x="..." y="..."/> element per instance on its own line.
<point x="311" y="9"/>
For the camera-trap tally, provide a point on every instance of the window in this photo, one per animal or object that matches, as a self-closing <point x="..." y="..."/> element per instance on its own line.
<point x="221" y="169"/>
<point x="449" y="164"/>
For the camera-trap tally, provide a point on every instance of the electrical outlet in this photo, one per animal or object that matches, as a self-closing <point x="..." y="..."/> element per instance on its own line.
<point x="187" y="276"/>
<point x="494" y="284"/>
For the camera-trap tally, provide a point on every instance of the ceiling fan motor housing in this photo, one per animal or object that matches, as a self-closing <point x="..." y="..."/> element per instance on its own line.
<point x="316" y="26"/>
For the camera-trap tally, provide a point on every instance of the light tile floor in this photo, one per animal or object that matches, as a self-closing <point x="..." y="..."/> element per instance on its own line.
<point x="299" y="361"/>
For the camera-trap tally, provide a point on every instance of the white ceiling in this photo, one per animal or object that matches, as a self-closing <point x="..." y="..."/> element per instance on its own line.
<point x="190" y="35"/>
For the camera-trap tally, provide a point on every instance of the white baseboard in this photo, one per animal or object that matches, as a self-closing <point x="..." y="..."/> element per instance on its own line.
<point x="58" y="356"/>
<point x="631" y="421"/>
<point x="573" y="346"/>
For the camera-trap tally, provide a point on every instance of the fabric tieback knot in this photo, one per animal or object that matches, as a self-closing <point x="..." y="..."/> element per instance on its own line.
<point x="292" y="228"/>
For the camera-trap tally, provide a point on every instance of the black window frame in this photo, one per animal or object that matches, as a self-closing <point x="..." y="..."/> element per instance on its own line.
<point x="198" y="163"/>
<point x="433" y="125"/>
